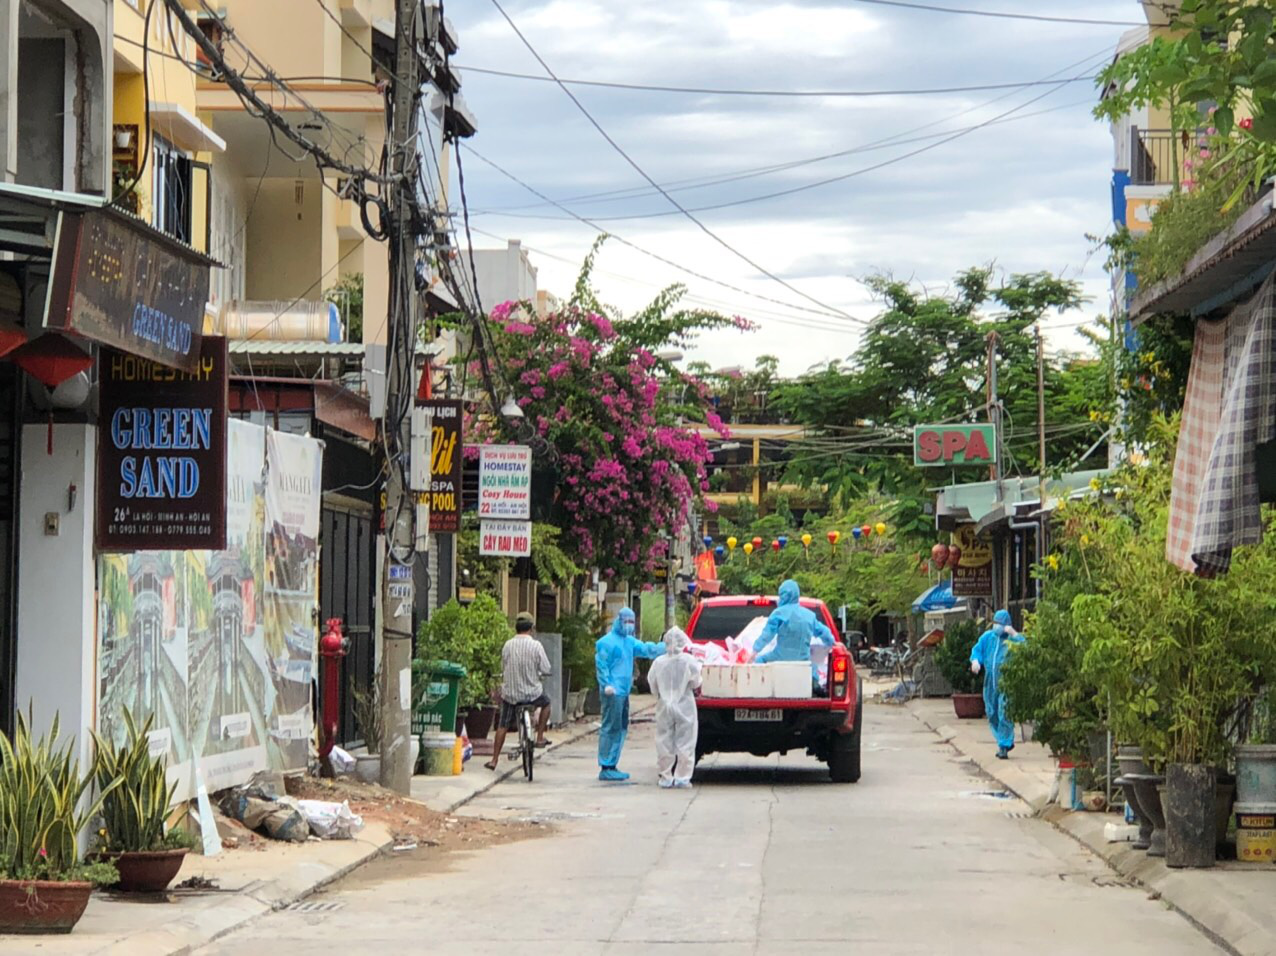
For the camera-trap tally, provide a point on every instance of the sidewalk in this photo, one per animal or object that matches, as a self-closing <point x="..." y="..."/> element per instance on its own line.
<point x="1232" y="902"/>
<point x="253" y="881"/>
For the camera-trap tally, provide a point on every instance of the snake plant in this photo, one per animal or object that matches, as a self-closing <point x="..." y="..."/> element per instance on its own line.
<point x="135" y="792"/>
<point x="41" y="814"/>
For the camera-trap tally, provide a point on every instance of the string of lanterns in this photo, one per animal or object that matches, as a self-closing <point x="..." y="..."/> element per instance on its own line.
<point x="778" y="544"/>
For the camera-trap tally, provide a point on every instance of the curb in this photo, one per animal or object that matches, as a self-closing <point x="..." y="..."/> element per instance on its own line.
<point x="1210" y="909"/>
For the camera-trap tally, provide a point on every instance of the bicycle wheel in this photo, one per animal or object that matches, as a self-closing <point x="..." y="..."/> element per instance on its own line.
<point x="526" y="743"/>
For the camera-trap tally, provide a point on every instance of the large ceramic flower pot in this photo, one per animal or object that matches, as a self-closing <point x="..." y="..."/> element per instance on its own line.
<point x="478" y="722"/>
<point x="1144" y="839"/>
<point x="1149" y="798"/>
<point x="1189" y="815"/>
<point x="146" y="872"/>
<point x="968" y="706"/>
<point x="40" y="906"/>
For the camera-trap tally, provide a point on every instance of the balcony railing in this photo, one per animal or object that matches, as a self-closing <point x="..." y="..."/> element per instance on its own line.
<point x="1153" y="157"/>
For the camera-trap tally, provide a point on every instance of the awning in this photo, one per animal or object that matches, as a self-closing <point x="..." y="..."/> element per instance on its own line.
<point x="981" y="502"/>
<point x="937" y="598"/>
<point x="1228" y="267"/>
<point x="183" y="128"/>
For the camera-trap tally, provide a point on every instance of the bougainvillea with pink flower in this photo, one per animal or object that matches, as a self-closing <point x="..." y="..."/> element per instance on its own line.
<point x="614" y="424"/>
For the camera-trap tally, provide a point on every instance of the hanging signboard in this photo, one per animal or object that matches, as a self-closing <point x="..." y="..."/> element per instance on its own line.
<point x="161" y="454"/>
<point x="123" y="286"/>
<point x="948" y="445"/>
<point x="505" y="539"/>
<point x="505" y="482"/>
<point x="444" y="416"/>
<point x="973" y="575"/>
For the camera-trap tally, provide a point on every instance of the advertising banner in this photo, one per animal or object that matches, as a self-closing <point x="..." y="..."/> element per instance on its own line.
<point x="187" y="636"/>
<point x="505" y="482"/>
<point x="161" y="454"/>
<point x="293" y="480"/>
<point x="506" y="539"/>
<point x="444" y="416"/>
<point x="973" y="575"/>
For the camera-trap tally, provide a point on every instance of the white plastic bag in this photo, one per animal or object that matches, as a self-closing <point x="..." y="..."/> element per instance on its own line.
<point x="341" y="761"/>
<point x="331" y="821"/>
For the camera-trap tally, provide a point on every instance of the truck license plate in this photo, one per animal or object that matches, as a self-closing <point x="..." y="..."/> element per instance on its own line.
<point x="742" y="713"/>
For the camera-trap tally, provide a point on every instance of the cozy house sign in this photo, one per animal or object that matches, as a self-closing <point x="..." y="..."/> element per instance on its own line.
<point x="948" y="445"/>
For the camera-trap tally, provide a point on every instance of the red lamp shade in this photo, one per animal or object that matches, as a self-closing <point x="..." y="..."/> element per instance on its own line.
<point x="775" y="545"/>
<point x="757" y="543"/>
<point x="51" y="359"/>
<point x="939" y="555"/>
<point x="10" y="339"/>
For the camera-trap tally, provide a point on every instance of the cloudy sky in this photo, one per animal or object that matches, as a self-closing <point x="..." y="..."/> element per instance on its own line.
<point x="1021" y="192"/>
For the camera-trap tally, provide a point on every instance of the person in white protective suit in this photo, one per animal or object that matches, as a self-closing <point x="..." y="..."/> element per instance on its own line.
<point x="674" y="678"/>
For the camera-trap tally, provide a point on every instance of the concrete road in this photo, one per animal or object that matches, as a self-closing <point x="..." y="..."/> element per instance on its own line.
<point x="764" y="856"/>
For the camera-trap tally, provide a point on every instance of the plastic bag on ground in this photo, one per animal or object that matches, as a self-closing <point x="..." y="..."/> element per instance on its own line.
<point x="331" y="821"/>
<point x="287" y="822"/>
<point x="342" y="762"/>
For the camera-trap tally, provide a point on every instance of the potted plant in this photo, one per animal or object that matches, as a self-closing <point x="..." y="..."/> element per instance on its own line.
<point x="953" y="659"/>
<point x="368" y="717"/>
<point x="44" y="884"/>
<point x="135" y="807"/>
<point x="470" y="635"/>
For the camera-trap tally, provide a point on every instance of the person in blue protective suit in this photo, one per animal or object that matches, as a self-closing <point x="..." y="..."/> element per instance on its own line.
<point x="987" y="656"/>
<point x="614" y="660"/>
<point x="791" y="626"/>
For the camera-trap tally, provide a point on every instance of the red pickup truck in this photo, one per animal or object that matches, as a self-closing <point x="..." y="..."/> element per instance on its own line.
<point x="829" y="727"/>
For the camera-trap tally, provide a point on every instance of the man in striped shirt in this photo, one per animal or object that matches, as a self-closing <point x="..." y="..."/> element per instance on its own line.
<point x="523" y="666"/>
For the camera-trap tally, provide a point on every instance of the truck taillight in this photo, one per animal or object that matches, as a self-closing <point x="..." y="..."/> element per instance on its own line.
<point x="837" y="684"/>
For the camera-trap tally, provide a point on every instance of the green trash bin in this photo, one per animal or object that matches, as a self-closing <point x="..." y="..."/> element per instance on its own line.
<point x="435" y="708"/>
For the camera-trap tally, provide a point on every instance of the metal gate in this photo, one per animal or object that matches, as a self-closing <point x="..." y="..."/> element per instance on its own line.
<point x="346" y="585"/>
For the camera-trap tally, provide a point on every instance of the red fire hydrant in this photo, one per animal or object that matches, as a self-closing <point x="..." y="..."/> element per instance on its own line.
<point x="332" y="647"/>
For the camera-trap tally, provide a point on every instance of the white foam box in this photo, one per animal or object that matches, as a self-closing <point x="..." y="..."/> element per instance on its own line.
<point x="790" y="679"/>
<point x="717" y="680"/>
<point x="754" y="681"/>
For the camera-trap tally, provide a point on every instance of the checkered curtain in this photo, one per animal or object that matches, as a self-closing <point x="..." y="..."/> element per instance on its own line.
<point x="1227" y="510"/>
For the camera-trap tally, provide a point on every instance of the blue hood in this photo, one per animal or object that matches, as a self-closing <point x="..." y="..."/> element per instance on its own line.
<point x="618" y="625"/>
<point x="789" y="592"/>
<point x="1002" y="617"/>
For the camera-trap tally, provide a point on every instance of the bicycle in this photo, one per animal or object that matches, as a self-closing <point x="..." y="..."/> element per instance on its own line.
<point x="526" y="739"/>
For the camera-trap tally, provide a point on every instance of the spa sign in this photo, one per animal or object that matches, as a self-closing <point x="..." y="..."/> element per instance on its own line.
<point x="161" y="453"/>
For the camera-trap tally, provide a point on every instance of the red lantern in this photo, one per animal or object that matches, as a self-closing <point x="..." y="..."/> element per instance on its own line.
<point x="757" y="544"/>
<point x="954" y="556"/>
<point x="51" y="360"/>
<point x="834" y="537"/>
<point x="939" y="555"/>
<point x="775" y="545"/>
<point x="10" y="339"/>
<point x="867" y="529"/>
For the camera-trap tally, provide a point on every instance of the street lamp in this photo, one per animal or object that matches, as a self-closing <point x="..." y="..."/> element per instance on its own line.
<point x="511" y="409"/>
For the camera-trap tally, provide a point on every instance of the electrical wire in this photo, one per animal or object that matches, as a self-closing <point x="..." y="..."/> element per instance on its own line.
<point x="1002" y="15"/>
<point x="672" y="201"/>
<point x="754" y="172"/>
<point x="719" y="91"/>
<point x="793" y="190"/>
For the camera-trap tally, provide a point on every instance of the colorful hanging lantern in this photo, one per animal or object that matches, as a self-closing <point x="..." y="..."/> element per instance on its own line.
<point x="748" y="548"/>
<point x="708" y="541"/>
<point x="880" y="528"/>
<point x="757" y="543"/>
<point x="719" y="551"/>
<point x="856" y="532"/>
<point x="867" y="529"/>
<point x="731" y="543"/>
<point x="834" y="537"/>
<point x="691" y="587"/>
<point x="806" y="540"/>
<point x="939" y="555"/>
<point x="783" y="541"/>
<point x="954" y="556"/>
<point x="775" y="545"/>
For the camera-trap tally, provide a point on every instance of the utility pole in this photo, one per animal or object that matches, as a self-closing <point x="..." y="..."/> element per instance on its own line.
<point x="395" y="619"/>
<point x="994" y="411"/>
<point x="1041" y="437"/>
